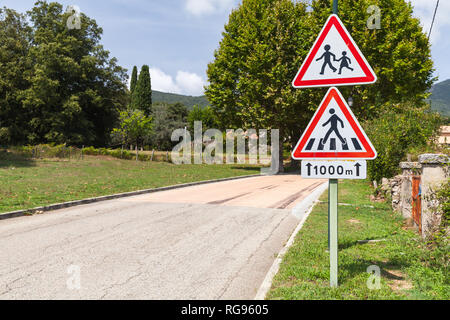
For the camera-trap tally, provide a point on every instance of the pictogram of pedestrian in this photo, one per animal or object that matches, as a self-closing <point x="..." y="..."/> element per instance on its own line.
<point x="327" y="59"/>
<point x="345" y="62"/>
<point x="333" y="121"/>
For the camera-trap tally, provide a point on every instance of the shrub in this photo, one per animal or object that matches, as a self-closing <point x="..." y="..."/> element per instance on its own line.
<point x="399" y="128"/>
<point x="90" y="151"/>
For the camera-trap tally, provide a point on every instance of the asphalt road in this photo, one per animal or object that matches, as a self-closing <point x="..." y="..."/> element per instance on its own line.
<point x="214" y="241"/>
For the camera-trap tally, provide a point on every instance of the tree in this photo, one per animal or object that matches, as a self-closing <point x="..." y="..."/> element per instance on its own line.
<point x="142" y="95"/>
<point x="400" y="129"/>
<point x="167" y="118"/>
<point x="265" y="42"/>
<point x="15" y="43"/>
<point x="399" y="53"/>
<point x="69" y="88"/>
<point x="133" y="80"/>
<point x="205" y="115"/>
<point x="134" y="127"/>
<point x="257" y="59"/>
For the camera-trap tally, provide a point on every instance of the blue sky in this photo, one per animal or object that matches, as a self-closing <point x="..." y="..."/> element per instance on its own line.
<point x="177" y="38"/>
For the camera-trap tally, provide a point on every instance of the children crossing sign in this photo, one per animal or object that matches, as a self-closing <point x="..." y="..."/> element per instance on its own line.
<point x="334" y="133"/>
<point x="334" y="60"/>
<point x="334" y="145"/>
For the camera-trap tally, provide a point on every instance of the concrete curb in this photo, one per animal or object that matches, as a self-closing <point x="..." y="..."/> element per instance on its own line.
<point x="301" y="211"/>
<point x="20" y="213"/>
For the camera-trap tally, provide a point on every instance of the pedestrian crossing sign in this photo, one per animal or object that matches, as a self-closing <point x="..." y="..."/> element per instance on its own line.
<point x="334" y="133"/>
<point x="334" y="60"/>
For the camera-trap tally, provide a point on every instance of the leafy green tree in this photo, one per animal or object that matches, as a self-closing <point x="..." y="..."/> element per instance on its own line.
<point x="265" y="42"/>
<point x="167" y="118"/>
<point x="398" y="129"/>
<point x="250" y="78"/>
<point x="134" y="80"/>
<point x="399" y="53"/>
<point x="134" y="127"/>
<point x="142" y="95"/>
<point x="205" y="115"/>
<point x="15" y="43"/>
<point x="71" y="89"/>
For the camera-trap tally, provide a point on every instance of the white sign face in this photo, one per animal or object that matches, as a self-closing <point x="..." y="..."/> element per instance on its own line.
<point x="334" y="60"/>
<point x="332" y="169"/>
<point x="334" y="133"/>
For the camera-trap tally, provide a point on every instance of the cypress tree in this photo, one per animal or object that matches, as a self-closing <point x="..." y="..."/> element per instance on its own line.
<point x="133" y="79"/>
<point x="142" y="95"/>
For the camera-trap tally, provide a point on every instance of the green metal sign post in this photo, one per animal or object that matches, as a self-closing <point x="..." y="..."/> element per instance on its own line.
<point x="333" y="230"/>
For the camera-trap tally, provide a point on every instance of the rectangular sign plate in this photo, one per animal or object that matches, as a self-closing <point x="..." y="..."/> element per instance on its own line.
<point x="334" y="169"/>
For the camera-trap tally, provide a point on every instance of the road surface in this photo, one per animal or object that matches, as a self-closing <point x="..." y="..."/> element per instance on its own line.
<point x="212" y="241"/>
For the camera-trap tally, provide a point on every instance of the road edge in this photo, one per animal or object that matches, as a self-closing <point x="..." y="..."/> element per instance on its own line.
<point x="56" y="206"/>
<point x="301" y="211"/>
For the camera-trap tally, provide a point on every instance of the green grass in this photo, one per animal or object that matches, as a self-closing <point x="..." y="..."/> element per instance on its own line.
<point x="409" y="270"/>
<point x="26" y="183"/>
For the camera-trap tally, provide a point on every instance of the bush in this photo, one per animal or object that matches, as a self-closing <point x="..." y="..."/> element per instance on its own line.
<point x="116" y="153"/>
<point x="46" y="151"/>
<point x="62" y="151"/>
<point x="398" y="129"/>
<point x="90" y="151"/>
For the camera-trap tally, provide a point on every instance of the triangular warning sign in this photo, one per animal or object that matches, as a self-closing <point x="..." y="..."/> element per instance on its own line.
<point x="334" y="60"/>
<point x="334" y="133"/>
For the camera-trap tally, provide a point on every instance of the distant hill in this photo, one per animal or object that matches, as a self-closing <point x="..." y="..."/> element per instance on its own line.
<point x="188" y="101"/>
<point x="440" y="97"/>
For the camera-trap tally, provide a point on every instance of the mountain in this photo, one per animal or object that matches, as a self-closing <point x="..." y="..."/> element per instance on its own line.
<point x="188" y="101"/>
<point x="440" y="97"/>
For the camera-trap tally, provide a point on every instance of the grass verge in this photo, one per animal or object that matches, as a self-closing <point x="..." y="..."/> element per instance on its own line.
<point x="409" y="270"/>
<point x="27" y="183"/>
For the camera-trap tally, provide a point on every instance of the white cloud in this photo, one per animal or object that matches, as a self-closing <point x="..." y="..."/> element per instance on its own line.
<point x="424" y="10"/>
<point x="201" y="7"/>
<point x="184" y="83"/>
<point x="190" y="83"/>
<point x="163" y="82"/>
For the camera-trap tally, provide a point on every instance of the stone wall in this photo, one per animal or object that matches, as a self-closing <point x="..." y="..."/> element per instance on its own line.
<point x="434" y="174"/>
<point x="433" y="171"/>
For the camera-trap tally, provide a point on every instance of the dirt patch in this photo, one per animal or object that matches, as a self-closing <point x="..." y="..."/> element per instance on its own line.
<point x="397" y="280"/>
<point x="377" y="198"/>
<point x="354" y="221"/>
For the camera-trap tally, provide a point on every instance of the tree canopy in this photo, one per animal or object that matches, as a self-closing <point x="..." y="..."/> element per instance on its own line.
<point x="205" y="115"/>
<point x="265" y="42"/>
<point x="134" y="80"/>
<point x="134" y="127"/>
<point x="61" y="86"/>
<point x="167" y="118"/>
<point x="141" y="97"/>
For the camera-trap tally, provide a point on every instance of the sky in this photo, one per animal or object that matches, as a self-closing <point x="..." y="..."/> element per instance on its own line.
<point x="177" y="38"/>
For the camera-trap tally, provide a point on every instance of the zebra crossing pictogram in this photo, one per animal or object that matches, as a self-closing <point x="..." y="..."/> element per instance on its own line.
<point x="334" y="133"/>
<point x="332" y="145"/>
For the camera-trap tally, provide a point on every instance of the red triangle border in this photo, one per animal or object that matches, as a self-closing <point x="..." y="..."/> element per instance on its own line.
<point x="370" y="150"/>
<point x="370" y="75"/>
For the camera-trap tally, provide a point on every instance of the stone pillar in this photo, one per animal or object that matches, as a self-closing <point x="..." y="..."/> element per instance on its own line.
<point x="434" y="173"/>
<point x="405" y="202"/>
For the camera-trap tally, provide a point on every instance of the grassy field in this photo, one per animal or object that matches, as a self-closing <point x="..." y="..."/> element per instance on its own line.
<point x="27" y="183"/>
<point x="408" y="269"/>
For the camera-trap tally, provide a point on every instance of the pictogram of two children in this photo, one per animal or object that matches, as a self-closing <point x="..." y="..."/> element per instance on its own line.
<point x="345" y="61"/>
